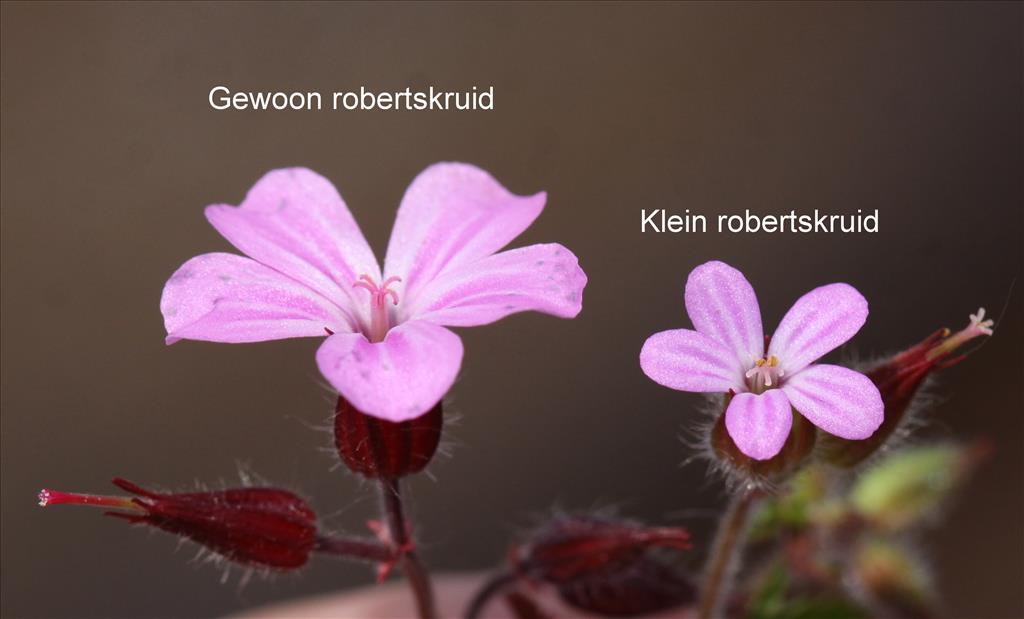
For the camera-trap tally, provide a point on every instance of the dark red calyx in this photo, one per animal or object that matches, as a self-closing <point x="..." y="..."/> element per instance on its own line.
<point x="644" y="587"/>
<point x="377" y="448"/>
<point x="607" y="566"/>
<point x="264" y="527"/>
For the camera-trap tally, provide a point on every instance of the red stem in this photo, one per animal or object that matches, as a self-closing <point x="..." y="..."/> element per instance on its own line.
<point x="415" y="571"/>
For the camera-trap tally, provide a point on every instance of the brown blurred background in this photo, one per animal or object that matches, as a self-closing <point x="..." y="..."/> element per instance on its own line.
<point x="110" y="153"/>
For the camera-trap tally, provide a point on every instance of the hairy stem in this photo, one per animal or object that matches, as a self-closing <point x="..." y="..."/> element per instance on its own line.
<point x="723" y="561"/>
<point x="414" y="570"/>
<point x="355" y="548"/>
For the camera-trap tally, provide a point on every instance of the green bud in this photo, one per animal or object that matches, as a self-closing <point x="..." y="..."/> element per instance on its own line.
<point x="911" y="484"/>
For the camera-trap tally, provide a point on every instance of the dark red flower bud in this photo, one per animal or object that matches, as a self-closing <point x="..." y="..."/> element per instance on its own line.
<point x="377" y="448"/>
<point x="264" y="527"/>
<point x="607" y="566"/>
<point x="899" y="379"/>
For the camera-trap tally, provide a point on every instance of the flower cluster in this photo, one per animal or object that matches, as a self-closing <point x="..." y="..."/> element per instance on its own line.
<point x="389" y="352"/>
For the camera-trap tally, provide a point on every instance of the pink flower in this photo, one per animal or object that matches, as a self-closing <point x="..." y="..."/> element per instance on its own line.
<point x="727" y="354"/>
<point x="310" y="273"/>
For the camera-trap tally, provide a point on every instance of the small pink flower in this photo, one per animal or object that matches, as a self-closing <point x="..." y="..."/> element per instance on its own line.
<point x="310" y="273"/>
<point x="727" y="354"/>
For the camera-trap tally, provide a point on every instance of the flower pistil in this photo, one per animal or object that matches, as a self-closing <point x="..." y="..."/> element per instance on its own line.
<point x="977" y="327"/>
<point x="379" y="321"/>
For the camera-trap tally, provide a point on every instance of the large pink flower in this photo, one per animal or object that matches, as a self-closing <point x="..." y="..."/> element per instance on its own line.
<point x="310" y="273"/>
<point x="727" y="353"/>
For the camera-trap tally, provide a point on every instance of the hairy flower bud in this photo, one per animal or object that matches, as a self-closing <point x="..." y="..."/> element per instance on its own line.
<point x="899" y="380"/>
<point x="607" y="566"/>
<point x="259" y="527"/>
<point x="377" y="448"/>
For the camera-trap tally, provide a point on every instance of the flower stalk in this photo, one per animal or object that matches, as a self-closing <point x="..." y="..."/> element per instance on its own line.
<point x="724" y="558"/>
<point x="399" y="532"/>
<point x="356" y="548"/>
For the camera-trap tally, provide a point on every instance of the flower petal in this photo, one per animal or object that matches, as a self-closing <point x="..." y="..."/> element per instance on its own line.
<point x="294" y="221"/>
<point x="228" y="298"/>
<point x="397" y="379"/>
<point x="722" y="305"/>
<point x="544" y="278"/>
<point x="451" y="215"/>
<point x="759" y="424"/>
<point x="690" y="361"/>
<point x="838" y="400"/>
<point x="820" y="321"/>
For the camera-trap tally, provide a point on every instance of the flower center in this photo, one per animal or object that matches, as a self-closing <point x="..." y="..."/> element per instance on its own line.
<point x="379" y="321"/>
<point x="764" y="375"/>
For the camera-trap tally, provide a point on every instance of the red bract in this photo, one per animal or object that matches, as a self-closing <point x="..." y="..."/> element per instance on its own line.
<point x="264" y="527"/>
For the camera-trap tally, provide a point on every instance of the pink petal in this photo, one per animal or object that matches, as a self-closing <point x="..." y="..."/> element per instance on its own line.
<point x="722" y="305"/>
<point x="542" y="278"/>
<point x="819" y="322"/>
<point x="294" y="221"/>
<point x="837" y="400"/>
<point x="690" y="361"/>
<point x="759" y="424"/>
<point x="229" y="298"/>
<point x="452" y="215"/>
<point x="397" y="379"/>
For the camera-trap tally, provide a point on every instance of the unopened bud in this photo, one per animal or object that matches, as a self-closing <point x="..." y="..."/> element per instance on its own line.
<point x="264" y="527"/>
<point x="911" y="484"/>
<point x="377" y="448"/>
<point x="607" y="566"/>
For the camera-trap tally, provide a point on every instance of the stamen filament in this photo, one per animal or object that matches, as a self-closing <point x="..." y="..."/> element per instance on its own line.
<point x="764" y="374"/>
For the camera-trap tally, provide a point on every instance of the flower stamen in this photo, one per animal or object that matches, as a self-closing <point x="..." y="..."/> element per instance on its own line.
<point x="765" y="373"/>
<point x="379" y="322"/>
